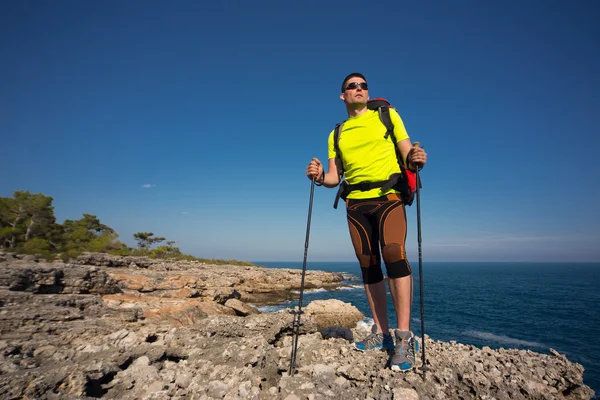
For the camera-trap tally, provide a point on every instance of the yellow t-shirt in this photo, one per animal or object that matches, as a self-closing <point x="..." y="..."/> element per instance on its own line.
<point x="366" y="154"/>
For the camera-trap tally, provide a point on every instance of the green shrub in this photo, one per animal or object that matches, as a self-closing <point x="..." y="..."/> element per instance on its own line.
<point x="37" y="246"/>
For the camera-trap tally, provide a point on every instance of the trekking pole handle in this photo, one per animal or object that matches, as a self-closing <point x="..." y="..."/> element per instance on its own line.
<point x="416" y="145"/>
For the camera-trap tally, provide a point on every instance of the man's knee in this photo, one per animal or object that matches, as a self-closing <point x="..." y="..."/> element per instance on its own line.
<point x="372" y="274"/>
<point x="370" y="268"/>
<point x="395" y="261"/>
<point x="393" y="252"/>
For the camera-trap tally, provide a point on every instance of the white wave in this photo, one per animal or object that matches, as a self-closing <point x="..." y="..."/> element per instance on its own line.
<point x="272" y="307"/>
<point x="502" y="339"/>
<point x="268" y="309"/>
<point x="366" y="323"/>
<point x="351" y="287"/>
<point x="320" y="290"/>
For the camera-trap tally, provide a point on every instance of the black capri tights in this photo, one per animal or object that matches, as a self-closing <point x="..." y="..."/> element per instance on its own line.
<point x="374" y="223"/>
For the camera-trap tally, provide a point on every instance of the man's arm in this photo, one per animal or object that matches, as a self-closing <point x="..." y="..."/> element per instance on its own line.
<point x="417" y="154"/>
<point x="332" y="178"/>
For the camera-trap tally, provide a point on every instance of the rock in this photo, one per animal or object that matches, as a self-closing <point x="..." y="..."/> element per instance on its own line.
<point x="241" y="308"/>
<point x="328" y="313"/>
<point x="405" y="394"/>
<point x="110" y="331"/>
<point x="44" y="278"/>
<point x="323" y="373"/>
<point x="109" y="260"/>
<point x="187" y="313"/>
<point x="214" y="308"/>
<point x="337" y="332"/>
<point x="183" y="380"/>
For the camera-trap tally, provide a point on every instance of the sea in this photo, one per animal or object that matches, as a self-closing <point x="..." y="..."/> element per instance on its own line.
<point x="535" y="306"/>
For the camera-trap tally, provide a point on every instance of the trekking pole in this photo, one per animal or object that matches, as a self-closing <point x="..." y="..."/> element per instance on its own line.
<point x="296" y="324"/>
<point x="424" y="367"/>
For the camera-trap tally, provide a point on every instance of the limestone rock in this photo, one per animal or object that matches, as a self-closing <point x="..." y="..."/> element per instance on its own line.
<point x="241" y="308"/>
<point x="45" y="278"/>
<point x="328" y="313"/>
<point x="72" y="331"/>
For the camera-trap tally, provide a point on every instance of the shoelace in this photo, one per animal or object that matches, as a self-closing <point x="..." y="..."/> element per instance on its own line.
<point x="373" y="339"/>
<point x="408" y="348"/>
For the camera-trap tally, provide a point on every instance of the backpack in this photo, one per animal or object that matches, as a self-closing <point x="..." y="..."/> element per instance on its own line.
<point x="405" y="182"/>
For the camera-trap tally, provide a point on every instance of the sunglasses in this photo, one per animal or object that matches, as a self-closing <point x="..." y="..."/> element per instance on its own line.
<point x="354" y="85"/>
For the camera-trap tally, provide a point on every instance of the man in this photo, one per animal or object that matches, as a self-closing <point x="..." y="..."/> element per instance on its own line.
<point x="376" y="218"/>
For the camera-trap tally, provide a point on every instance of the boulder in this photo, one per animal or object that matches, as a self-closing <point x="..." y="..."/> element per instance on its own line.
<point x="328" y="313"/>
<point x="241" y="308"/>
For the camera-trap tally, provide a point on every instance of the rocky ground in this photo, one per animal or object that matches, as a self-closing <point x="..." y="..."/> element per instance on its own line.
<point x="134" y="328"/>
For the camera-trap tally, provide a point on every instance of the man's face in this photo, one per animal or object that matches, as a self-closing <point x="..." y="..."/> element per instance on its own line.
<point x="356" y="91"/>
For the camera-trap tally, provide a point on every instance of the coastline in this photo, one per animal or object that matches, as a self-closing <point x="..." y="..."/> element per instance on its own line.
<point x="87" y="331"/>
<point x="501" y="305"/>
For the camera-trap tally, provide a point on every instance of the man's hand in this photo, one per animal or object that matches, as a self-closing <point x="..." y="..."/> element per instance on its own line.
<point x="314" y="169"/>
<point x="418" y="157"/>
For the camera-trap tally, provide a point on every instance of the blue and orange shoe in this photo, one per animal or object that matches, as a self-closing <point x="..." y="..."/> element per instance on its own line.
<point x="405" y="352"/>
<point x="375" y="341"/>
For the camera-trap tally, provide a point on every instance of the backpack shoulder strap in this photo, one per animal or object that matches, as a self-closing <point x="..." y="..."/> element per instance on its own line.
<point x="336" y="144"/>
<point x="384" y="116"/>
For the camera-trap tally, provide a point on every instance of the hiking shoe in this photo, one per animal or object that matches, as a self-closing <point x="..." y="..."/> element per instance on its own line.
<point x="375" y="341"/>
<point x="404" y="354"/>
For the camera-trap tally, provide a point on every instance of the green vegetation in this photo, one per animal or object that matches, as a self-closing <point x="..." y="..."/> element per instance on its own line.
<point x="28" y="226"/>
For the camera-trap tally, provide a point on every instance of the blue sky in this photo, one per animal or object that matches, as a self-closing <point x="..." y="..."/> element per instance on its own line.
<point x="195" y="120"/>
